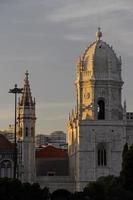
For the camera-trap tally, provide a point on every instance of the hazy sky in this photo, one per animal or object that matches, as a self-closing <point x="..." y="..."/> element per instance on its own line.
<point x="46" y="37"/>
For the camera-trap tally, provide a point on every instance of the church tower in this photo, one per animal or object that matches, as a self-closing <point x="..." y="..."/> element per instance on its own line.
<point x="26" y="134"/>
<point x="96" y="130"/>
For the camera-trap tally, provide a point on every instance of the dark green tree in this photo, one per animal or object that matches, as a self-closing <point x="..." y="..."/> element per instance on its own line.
<point x="124" y="153"/>
<point x="127" y="169"/>
<point x="95" y="191"/>
<point x="45" y="193"/>
<point x="80" y="196"/>
<point x="13" y="189"/>
<point x="61" y="194"/>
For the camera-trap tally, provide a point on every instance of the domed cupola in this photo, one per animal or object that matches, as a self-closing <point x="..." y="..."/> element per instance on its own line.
<point x="100" y="60"/>
<point x="99" y="82"/>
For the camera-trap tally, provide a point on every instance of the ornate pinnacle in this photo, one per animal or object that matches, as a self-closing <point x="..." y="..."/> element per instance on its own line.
<point x="99" y="34"/>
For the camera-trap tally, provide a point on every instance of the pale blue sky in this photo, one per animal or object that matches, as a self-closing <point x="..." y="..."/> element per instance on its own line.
<point x="46" y="37"/>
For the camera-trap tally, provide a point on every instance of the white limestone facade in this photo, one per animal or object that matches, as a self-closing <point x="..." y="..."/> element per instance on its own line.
<point x="26" y="135"/>
<point x="98" y="128"/>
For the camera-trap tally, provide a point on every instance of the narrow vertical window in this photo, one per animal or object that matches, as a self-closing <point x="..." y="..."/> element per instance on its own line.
<point x="9" y="170"/>
<point x="101" y="110"/>
<point x="2" y="169"/>
<point x="26" y="132"/>
<point x="101" y="156"/>
<point x="105" y="159"/>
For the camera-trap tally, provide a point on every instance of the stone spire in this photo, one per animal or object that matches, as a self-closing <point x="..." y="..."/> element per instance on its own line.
<point x="98" y="34"/>
<point x="26" y="99"/>
<point x="26" y="134"/>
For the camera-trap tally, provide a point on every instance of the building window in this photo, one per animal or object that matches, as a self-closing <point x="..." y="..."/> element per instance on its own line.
<point x="101" y="109"/>
<point x="102" y="155"/>
<point x="51" y="173"/>
<point x="6" y="169"/>
<point x="26" y="132"/>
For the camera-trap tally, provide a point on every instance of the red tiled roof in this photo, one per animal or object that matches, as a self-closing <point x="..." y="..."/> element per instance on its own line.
<point x="5" y="143"/>
<point x="51" y="152"/>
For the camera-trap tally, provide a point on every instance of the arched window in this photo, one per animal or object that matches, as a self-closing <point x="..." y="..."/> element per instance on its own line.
<point x="2" y="169"/>
<point x="26" y="132"/>
<point x="101" y="109"/>
<point x="6" y="169"/>
<point x="101" y="155"/>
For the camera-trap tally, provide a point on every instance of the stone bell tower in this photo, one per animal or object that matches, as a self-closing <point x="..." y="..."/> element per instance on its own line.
<point x="96" y="130"/>
<point x="99" y="83"/>
<point x="26" y="134"/>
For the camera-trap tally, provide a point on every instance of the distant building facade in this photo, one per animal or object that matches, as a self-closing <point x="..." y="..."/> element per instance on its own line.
<point x="52" y="161"/>
<point x="42" y="140"/>
<point x="9" y="133"/>
<point x="6" y="157"/>
<point x="57" y="139"/>
<point x="52" y="168"/>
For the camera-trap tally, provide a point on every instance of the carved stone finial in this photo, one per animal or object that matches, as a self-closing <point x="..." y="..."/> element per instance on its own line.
<point x="27" y="73"/>
<point x="26" y="79"/>
<point x="99" y="34"/>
